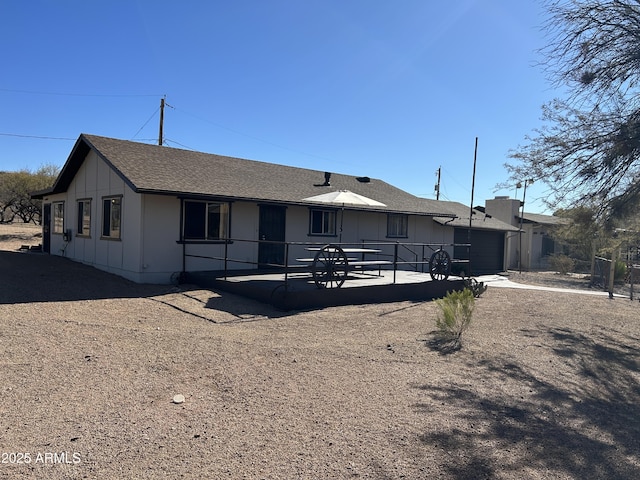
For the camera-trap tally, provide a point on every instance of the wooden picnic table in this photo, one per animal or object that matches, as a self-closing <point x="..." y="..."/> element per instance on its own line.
<point x="330" y="265"/>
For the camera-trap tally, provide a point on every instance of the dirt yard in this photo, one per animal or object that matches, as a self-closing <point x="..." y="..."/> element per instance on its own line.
<point x="547" y="384"/>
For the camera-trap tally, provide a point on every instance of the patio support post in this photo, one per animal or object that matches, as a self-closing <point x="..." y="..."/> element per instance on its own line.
<point x="181" y="236"/>
<point x="286" y="266"/>
<point x="395" y="261"/>
<point x="226" y="248"/>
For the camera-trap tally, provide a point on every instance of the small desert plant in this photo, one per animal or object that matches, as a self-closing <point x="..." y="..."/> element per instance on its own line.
<point x="562" y="264"/>
<point x="476" y="287"/>
<point x="454" y="317"/>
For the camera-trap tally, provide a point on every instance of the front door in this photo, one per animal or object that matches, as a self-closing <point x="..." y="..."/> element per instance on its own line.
<point x="46" y="228"/>
<point x="271" y="229"/>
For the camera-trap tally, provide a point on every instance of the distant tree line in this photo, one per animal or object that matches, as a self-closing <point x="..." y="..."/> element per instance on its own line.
<point x="15" y="193"/>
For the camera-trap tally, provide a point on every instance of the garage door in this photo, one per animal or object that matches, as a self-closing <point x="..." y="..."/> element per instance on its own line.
<point x="487" y="250"/>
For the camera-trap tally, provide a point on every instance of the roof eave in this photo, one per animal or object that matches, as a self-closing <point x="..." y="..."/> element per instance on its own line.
<point x="363" y="208"/>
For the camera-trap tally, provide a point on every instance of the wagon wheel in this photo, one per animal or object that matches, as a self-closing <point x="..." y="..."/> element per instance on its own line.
<point x="329" y="267"/>
<point x="440" y="265"/>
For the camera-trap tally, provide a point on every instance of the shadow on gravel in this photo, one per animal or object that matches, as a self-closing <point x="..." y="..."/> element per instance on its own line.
<point x="443" y="346"/>
<point x="244" y="309"/>
<point x="585" y="425"/>
<point x="33" y="277"/>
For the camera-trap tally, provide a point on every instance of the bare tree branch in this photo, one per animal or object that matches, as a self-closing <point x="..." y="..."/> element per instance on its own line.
<point x="588" y="150"/>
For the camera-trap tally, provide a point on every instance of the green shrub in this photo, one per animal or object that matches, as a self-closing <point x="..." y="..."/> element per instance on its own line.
<point x="620" y="271"/>
<point x="562" y="264"/>
<point x="454" y="316"/>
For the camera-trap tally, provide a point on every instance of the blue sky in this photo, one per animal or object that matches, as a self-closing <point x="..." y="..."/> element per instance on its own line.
<point x="387" y="89"/>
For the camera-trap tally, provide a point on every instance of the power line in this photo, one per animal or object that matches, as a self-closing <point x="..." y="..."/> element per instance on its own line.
<point x="145" y="123"/>
<point x="258" y="138"/>
<point x="168" y="140"/>
<point x="35" y="136"/>
<point x="66" y="94"/>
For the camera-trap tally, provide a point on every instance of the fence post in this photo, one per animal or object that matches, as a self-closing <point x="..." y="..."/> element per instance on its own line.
<point x="612" y="272"/>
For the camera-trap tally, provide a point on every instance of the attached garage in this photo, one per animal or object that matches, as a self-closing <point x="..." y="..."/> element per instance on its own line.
<point x="487" y="250"/>
<point x="489" y="245"/>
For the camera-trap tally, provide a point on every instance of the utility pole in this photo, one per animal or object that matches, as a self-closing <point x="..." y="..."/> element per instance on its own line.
<point x="161" y="119"/>
<point x="438" y="184"/>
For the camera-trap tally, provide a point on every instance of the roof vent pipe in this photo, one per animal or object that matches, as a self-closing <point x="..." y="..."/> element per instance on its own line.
<point x="327" y="178"/>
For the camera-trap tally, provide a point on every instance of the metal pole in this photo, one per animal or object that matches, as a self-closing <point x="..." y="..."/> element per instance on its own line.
<point x="286" y="266"/>
<point x="161" y="120"/>
<point x="473" y="185"/>
<point x="520" y="232"/>
<point x="524" y="196"/>
<point x="395" y="261"/>
<point x="612" y="272"/>
<point x="226" y="250"/>
<point x="181" y="236"/>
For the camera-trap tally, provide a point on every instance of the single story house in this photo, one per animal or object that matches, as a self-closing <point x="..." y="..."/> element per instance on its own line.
<point x="148" y="212"/>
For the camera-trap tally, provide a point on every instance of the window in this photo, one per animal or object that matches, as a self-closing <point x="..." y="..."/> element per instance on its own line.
<point x="111" y="214"/>
<point x="397" y="225"/>
<point x="206" y="220"/>
<point x="58" y="217"/>
<point x="84" y="217"/>
<point x="322" y="222"/>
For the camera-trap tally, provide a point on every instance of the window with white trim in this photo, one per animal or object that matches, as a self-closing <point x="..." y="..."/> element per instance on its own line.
<point x="58" y="217"/>
<point x="111" y="217"/>
<point x="205" y="220"/>
<point x="84" y="217"/>
<point x="397" y="225"/>
<point x="322" y="222"/>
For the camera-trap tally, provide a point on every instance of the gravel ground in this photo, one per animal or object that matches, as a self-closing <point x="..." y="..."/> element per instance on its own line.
<point x="546" y="385"/>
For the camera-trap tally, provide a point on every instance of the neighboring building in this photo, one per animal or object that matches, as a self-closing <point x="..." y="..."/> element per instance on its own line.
<point x="148" y="213"/>
<point x="530" y="248"/>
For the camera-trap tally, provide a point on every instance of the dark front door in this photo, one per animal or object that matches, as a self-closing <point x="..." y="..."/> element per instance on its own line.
<point x="46" y="228"/>
<point x="271" y="229"/>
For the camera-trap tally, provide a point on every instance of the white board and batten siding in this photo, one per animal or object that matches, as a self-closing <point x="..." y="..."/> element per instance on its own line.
<point x="149" y="251"/>
<point x="94" y="181"/>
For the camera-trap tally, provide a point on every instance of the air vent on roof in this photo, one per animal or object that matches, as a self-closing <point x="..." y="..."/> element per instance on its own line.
<point x="327" y="181"/>
<point x="363" y="179"/>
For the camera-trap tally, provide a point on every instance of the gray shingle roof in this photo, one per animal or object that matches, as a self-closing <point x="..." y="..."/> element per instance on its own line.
<point x="164" y="170"/>
<point x="479" y="221"/>
<point x="544" y="219"/>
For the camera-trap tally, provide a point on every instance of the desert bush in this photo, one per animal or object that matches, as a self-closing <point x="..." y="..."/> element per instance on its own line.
<point x="562" y="263"/>
<point x="476" y="287"/>
<point x="620" y="271"/>
<point x="454" y="316"/>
